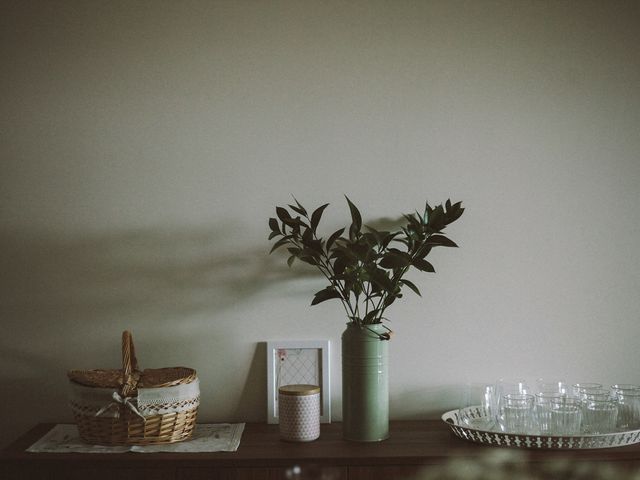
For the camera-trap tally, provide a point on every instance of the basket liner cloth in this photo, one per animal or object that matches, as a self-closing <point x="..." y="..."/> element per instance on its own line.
<point x="149" y="401"/>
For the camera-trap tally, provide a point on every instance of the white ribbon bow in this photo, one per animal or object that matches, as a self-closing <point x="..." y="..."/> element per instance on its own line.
<point x="118" y="399"/>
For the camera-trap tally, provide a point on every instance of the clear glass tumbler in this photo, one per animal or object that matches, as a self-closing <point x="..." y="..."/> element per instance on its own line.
<point x="623" y="386"/>
<point x="566" y="416"/>
<point x="546" y="385"/>
<point x="517" y="410"/>
<point x="580" y="388"/>
<point x="628" y="399"/>
<point x="479" y="404"/>
<point x="506" y="387"/>
<point x="599" y="416"/>
<point x="595" y="394"/>
<point x="543" y="411"/>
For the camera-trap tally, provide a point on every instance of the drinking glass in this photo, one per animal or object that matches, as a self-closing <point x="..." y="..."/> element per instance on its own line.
<point x="595" y="394"/>
<point x="543" y="411"/>
<point x="566" y="415"/>
<point x="479" y="404"/>
<point x="580" y="388"/>
<point x="517" y="410"/>
<point x="508" y="387"/>
<point x="545" y="385"/>
<point x="627" y="398"/>
<point x="623" y="386"/>
<point x="599" y="416"/>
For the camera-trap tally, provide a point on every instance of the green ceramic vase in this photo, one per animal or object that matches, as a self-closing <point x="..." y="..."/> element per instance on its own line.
<point x="365" y="383"/>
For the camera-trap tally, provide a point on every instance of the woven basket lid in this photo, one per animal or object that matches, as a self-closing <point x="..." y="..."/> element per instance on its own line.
<point x="130" y="378"/>
<point x="149" y="378"/>
<point x="299" y="390"/>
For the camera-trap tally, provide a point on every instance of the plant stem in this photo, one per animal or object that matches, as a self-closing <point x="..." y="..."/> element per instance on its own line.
<point x="329" y="274"/>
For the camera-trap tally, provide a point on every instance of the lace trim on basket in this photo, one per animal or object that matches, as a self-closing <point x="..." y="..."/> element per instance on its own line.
<point x="150" y="401"/>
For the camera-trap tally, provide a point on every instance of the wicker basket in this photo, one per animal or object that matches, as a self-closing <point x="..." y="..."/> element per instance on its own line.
<point x="130" y="407"/>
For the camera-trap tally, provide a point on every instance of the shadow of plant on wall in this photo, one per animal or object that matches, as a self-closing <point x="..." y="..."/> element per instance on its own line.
<point x="58" y="290"/>
<point x="64" y="300"/>
<point x="151" y="272"/>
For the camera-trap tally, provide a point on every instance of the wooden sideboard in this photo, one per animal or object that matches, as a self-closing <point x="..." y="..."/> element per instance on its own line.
<point x="412" y="446"/>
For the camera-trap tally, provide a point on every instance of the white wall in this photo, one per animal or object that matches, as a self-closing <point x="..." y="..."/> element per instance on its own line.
<point x="145" y="144"/>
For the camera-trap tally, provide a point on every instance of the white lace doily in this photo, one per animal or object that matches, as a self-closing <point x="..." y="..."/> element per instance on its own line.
<point x="218" y="437"/>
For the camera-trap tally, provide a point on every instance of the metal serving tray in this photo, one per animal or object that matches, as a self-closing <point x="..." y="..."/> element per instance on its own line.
<point x="551" y="442"/>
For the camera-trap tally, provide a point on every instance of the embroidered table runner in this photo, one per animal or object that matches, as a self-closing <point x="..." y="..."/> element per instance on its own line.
<point x="207" y="437"/>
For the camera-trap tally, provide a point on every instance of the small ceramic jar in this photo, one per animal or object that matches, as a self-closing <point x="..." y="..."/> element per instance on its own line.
<point x="299" y="412"/>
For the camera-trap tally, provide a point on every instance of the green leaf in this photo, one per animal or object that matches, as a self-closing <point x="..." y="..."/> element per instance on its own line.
<point x="273" y="224"/>
<point x="325" y="294"/>
<point x="423" y="265"/>
<point x="283" y="214"/>
<point x="316" y="246"/>
<point x="316" y="215"/>
<point x="370" y="239"/>
<point x="309" y="252"/>
<point x="279" y="243"/>
<point x="381" y="278"/>
<point x="411" y="285"/>
<point x="376" y="234"/>
<point x="345" y="250"/>
<point x="273" y="235"/>
<point x="454" y="212"/>
<point x="382" y="238"/>
<point x="423" y="251"/>
<point x="436" y="218"/>
<point x="413" y="220"/>
<point x="361" y="250"/>
<point x="340" y="265"/>
<point x="292" y="222"/>
<point x="395" y="260"/>
<point x="389" y="300"/>
<point x="370" y="316"/>
<point x="427" y="211"/>
<point x="302" y="211"/>
<point x="333" y="238"/>
<point x="307" y="236"/>
<point x="356" y="219"/>
<point x="440" y="241"/>
<point x="299" y="210"/>
<point x="309" y="259"/>
<point x="388" y="238"/>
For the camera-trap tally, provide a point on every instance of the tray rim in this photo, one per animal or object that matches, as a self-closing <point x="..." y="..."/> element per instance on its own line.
<point x="562" y="442"/>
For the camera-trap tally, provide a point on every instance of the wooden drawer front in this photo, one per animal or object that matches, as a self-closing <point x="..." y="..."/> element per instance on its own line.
<point x="386" y="472"/>
<point x="309" y="472"/>
<point x="303" y="472"/>
<point x="223" y="474"/>
<point x="81" y="472"/>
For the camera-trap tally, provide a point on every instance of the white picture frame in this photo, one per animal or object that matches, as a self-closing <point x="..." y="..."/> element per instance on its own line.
<point x="298" y="362"/>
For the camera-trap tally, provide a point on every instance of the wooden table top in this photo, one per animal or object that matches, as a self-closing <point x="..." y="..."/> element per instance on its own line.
<point x="422" y="442"/>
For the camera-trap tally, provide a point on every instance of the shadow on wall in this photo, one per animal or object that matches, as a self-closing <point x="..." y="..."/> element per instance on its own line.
<point x="57" y="293"/>
<point x="254" y="394"/>
<point x="159" y="273"/>
<point x="430" y="402"/>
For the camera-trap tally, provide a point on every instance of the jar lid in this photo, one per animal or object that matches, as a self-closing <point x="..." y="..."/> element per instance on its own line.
<point x="299" y="390"/>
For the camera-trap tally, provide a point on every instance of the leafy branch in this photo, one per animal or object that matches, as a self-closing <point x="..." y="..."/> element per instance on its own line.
<point x="365" y="269"/>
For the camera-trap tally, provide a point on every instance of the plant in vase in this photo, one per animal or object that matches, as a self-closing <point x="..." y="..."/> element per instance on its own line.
<point x="366" y="271"/>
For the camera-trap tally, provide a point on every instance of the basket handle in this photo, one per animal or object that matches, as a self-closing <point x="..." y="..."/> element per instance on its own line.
<point x="130" y="371"/>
